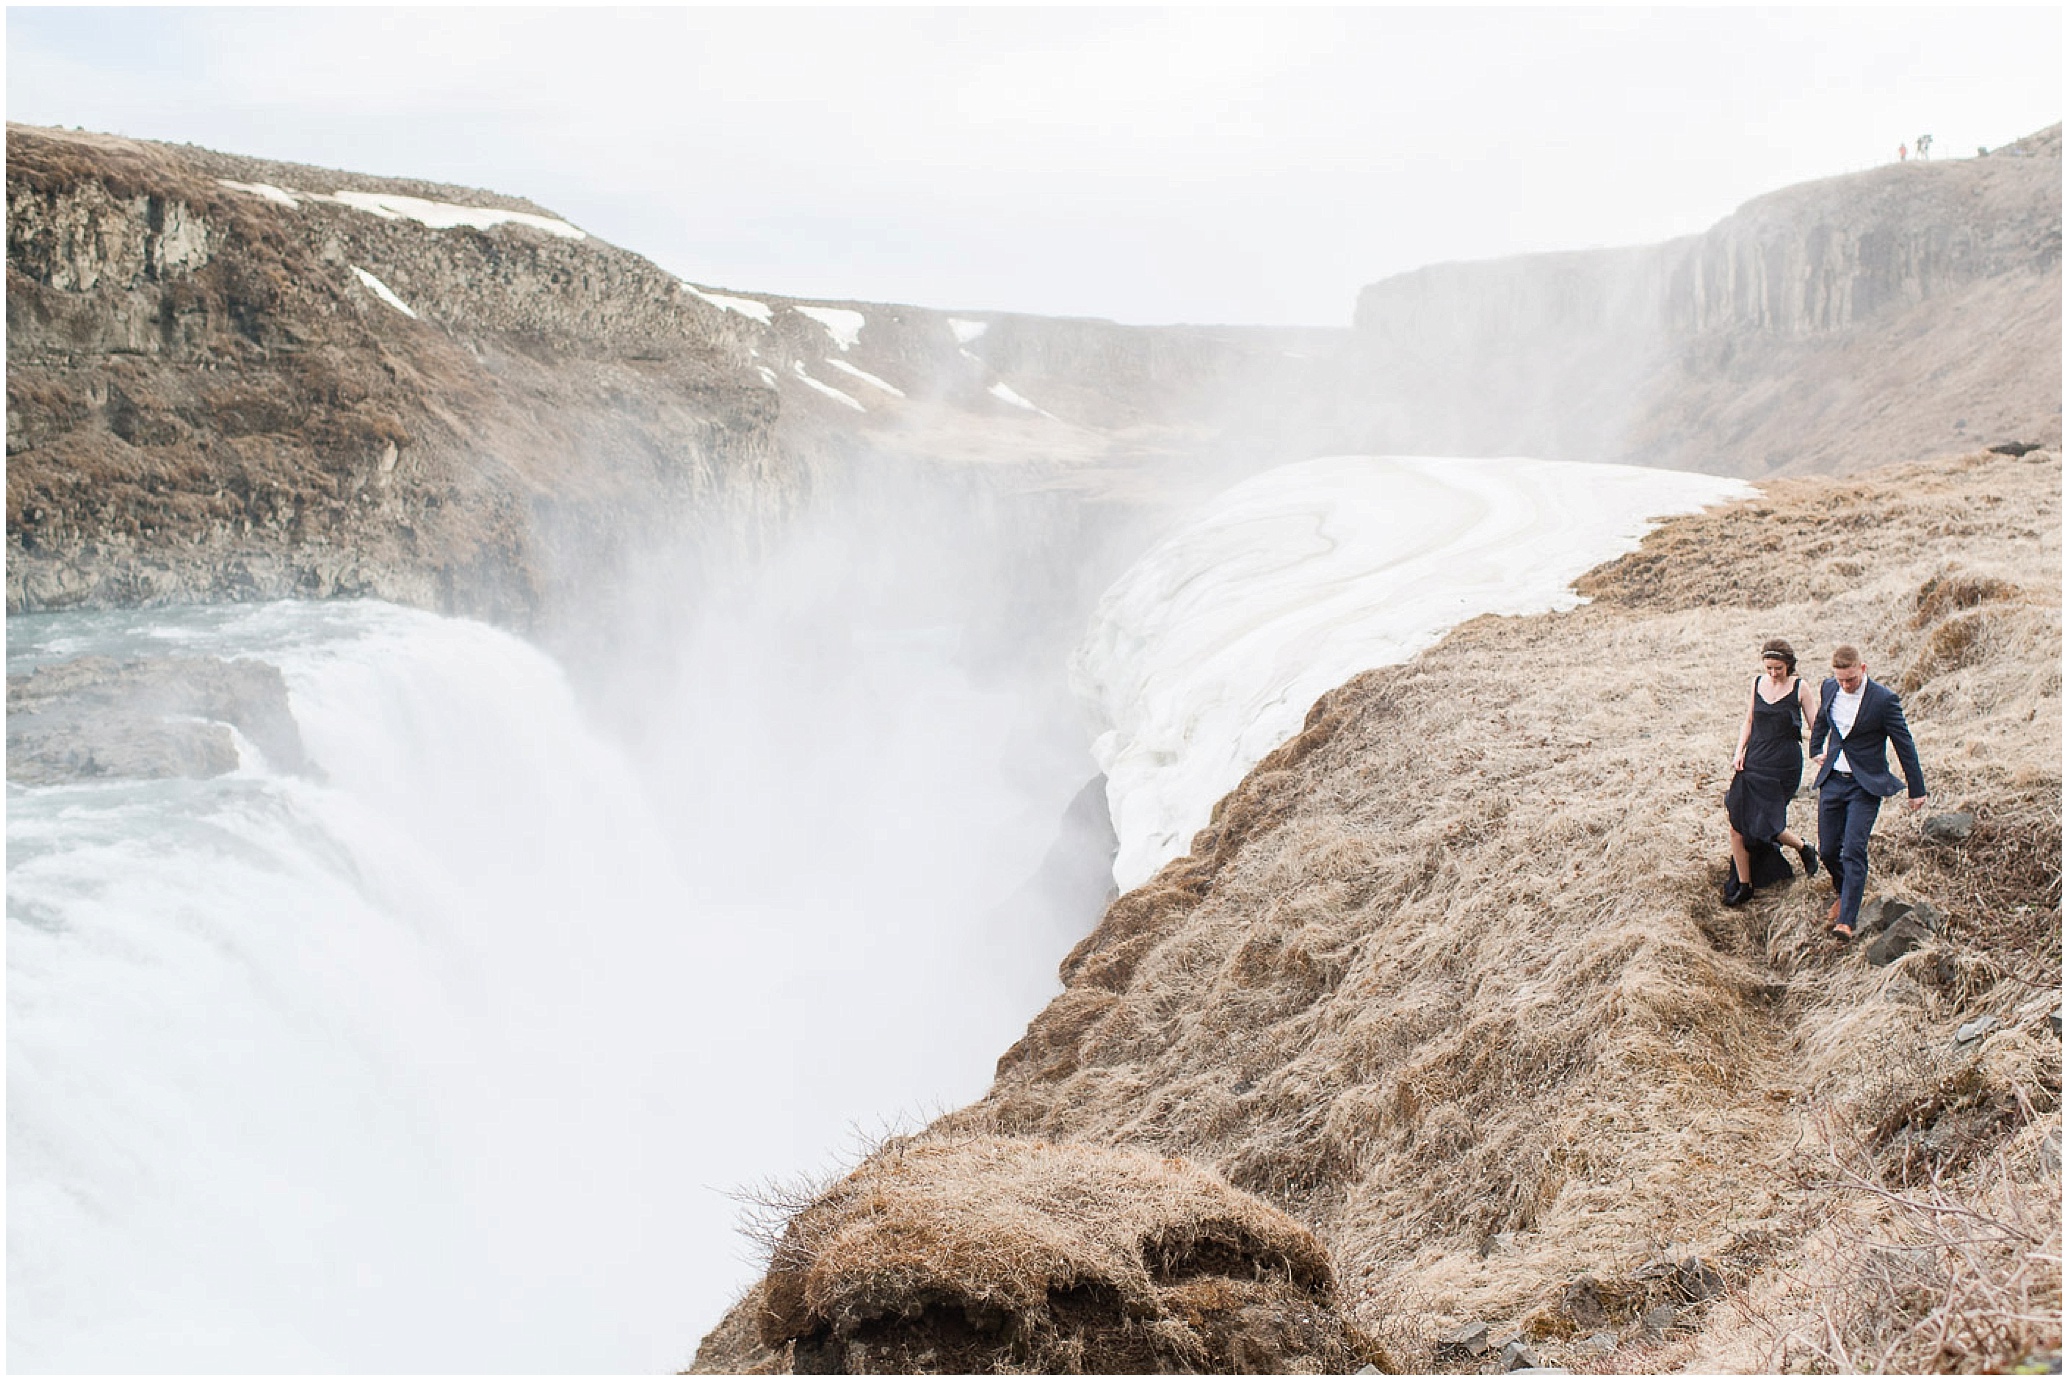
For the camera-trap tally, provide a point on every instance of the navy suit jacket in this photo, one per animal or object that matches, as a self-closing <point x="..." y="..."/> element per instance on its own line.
<point x="1879" y="723"/>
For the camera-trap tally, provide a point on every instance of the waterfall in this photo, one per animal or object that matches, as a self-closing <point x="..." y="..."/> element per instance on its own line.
<point x="442" y="1056"/>
<point x="1208" y="652"/>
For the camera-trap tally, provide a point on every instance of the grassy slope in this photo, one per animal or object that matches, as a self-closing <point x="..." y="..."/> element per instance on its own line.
<point x="1450" y="965"/>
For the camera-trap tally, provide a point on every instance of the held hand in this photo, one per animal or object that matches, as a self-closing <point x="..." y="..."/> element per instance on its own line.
<point x="1917" y="802"/>
<point x="1738" y="762"/>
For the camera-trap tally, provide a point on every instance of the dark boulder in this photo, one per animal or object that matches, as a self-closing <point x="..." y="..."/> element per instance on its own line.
<point x="1950" y="827"/>
<point x="1905" y="935"/>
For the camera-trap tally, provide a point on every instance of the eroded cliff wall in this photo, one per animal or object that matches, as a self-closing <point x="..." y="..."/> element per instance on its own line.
<point x="222" y="391"/>
<point x="235" y="379"/>
<point x="1880" y="316"/>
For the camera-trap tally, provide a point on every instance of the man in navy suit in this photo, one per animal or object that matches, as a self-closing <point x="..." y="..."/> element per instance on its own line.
<point x="1861" y="718"/>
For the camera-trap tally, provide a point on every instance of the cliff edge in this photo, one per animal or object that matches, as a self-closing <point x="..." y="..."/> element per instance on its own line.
<point x="1448" y="982"/>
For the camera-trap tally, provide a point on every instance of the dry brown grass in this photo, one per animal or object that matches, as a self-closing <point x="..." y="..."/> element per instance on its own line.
<point x="1454" y="968"/>
<point x="982" y="1254"/>
<point x="1448" y="982"/>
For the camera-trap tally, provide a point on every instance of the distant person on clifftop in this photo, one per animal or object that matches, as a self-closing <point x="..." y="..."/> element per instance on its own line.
<point x="1924" y="146"/>
<point x="1861" y="718"/>
<point x="1765" y="776"/>
<point x="1902" y="152"/>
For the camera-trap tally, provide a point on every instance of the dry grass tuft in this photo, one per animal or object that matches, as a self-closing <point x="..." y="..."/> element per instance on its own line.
<point x="1953" y="644"/>
<point x="1934" y="1278"/>
<point x="1953" y="591"/>
<point x="985" y="1254"/>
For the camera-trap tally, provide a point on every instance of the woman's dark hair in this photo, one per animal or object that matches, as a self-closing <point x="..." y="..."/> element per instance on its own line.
<point x="1778" y="647"/>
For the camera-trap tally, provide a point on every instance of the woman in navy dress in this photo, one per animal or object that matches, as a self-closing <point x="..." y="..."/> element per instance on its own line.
<point x="1767" y="771"/>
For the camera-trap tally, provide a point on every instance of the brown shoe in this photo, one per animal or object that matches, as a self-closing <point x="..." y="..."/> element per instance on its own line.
<point x="1832" y="914"/>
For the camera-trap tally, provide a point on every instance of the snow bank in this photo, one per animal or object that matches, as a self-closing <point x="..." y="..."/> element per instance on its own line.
<point x="1006" y="395"/>
<point x="965" y="330"/>
<point x="262" y="189"/>
<point x="1207" y="653"/>
<point x="797" y="368"/>
<point x="867" y="378"/>
<point x="384" y="292"/>
<point x="844" y="326"/>
<point x="390" y="206"/>
<point x="745" y="306"/>
<point x="440" y="215"/>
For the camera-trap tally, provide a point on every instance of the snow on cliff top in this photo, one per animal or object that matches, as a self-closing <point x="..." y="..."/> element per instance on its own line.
<point x="745" y="306"/>
<point x="1005" y="395"/>
<point x="391" y="206"/>
<point x="866" y="377"/>
<point x="797" y="368"/>
<point x="843" y="325"/>
<point x="1207" y="653"/>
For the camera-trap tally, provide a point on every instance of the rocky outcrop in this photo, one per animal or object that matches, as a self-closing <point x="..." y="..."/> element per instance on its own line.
<point x="983" y="1255"/>
<point x="147" y="717"/>
<point x="1881" y="316"/>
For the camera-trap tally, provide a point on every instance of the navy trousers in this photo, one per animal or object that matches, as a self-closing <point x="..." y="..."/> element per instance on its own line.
<point x="1845" y="817"/>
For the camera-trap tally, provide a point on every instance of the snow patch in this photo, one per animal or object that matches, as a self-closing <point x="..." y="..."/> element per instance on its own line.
<point x="262" y="189"/>
<point x="892" y="389"/>
<point x="844" y="326"/>
<point x="391" y="206"/>
<point x="827" y="389"/>
<point x="1006" y="395"/>
<point x="745" y="306"/>
<point x="1207" y="653"/>
<point x="443" y="215"/>
<point x="966" y="330"/>
<point x="768" y="376"/>
<point x="384" y="292"/>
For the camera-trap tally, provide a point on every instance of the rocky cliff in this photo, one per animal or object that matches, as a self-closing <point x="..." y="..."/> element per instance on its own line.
<point x="1447" y="982"/>
<point x="1880" y="316"/>
<point x="235" y="379"/>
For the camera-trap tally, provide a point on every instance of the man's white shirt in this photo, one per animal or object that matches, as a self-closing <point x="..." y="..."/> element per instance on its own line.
<point x="1845" y="708"/>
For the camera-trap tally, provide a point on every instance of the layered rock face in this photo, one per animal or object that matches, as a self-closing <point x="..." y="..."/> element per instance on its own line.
<point x="223" y="387"/>
<point x="1881" y="316"/>
<point x="235" y="379"/>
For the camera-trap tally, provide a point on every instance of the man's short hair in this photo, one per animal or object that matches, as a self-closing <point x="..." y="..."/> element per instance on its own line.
<point x="1845" y="655"/>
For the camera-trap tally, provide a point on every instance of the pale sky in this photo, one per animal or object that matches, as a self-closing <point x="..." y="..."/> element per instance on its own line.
<point x="1147" y="165"/>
